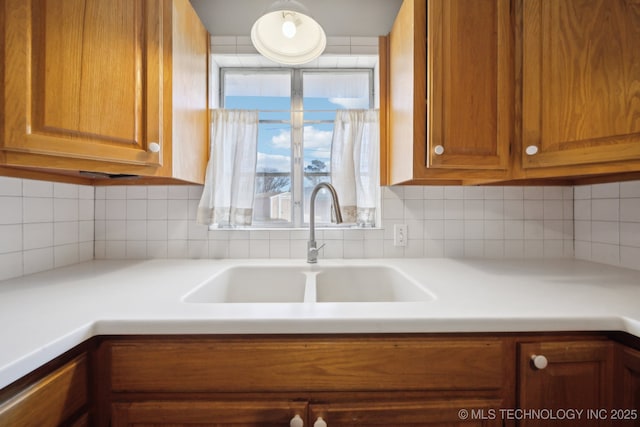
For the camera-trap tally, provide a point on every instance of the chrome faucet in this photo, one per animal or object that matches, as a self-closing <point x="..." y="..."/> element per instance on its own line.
<point x="312" y="249"/>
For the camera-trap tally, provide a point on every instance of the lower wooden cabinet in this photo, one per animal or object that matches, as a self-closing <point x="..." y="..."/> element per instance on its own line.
<point x="433" y="413"/>
<point x="57" y="398"/>
<point x="207" y="413"/>
<point x="445" y="413"/>
<point x="566" y="375"/>
<point x="338" y="380"/>
<point x="627" y="391"/>
<point x="412" y="380"/>
<point x="430" y="380"/>
<point x="83" y="420"/>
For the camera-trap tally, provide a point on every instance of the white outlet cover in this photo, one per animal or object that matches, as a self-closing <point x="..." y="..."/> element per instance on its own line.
<point x="400" y="235"/>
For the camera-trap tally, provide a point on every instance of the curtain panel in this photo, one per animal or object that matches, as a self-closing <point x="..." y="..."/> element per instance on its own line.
<point x="227" y="198"/>
<point x="355" y="168"/>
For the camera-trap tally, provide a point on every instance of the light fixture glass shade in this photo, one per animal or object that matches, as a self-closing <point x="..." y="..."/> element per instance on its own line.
<point x="275" y="38"/>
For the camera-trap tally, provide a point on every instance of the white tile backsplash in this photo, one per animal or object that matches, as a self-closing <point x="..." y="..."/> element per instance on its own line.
<point x="630" y="209"/>
<point x="10" y="210"/>
<point x="37" y="260"/>
<point x="31" y="188"/>
<point x="606" y="191"/>
<point x="66" y="209"/>
<point x="37" y="209"/>
<point x="10" y="186"/>
<point x="66" y="233"/>
<point x="44" y="225"/>
<point x="607" y="223"/>
<point x="65" y="191"/>
<point x="630" y="189"/>
<point x="442" y="221"/>
<point x="11" y="238"/>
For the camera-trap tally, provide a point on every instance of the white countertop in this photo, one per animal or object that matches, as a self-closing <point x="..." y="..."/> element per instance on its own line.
<point x="45" y="314"/>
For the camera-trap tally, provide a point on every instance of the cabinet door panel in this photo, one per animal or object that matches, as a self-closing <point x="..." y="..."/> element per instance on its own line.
<point x="578" y="376"/>
<point x="50" y="401"/>
<point x="449" y="413"/>
<point x="206" y="414"/>
<point x="85" y="79"/>
<point x="82" y="34"/>
<point x="469" y="105"/>
<point x="450" y="92"/>
<point x="628" y="390"/>
<point x="581" y="81"/>
<point x="407" y="94"/>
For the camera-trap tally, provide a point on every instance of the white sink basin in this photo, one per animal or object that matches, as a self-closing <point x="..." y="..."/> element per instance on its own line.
<point x="309" y="284"/>
<point x="367" y="284"/>
<point x="252" y="284"/>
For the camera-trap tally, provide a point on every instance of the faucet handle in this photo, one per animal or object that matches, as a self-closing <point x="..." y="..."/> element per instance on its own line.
<point x="315" y="250"/>
<point x="312" y="252"/>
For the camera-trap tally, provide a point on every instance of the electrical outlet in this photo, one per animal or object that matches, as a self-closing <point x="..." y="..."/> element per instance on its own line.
<point x="400" y="235"/>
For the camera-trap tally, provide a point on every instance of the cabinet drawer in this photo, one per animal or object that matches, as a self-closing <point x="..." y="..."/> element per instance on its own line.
<point x="263" y="413"/>
<point x="51" y="400"/>
<point x="432" y="413"/>
<point x="257" y="364"/>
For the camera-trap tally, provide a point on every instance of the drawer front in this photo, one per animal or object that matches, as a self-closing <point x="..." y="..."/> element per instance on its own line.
<point x="262" y="413"/>
<point x="307" y="364"/>
<point x="408" y="413"/>
<point x="51" y="400"/>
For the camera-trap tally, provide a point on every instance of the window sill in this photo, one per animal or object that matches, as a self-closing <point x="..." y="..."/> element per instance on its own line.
<point x="318" y="228"/>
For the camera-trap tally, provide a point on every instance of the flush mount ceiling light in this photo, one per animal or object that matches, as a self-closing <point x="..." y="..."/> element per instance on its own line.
<point x="286" y="34"/>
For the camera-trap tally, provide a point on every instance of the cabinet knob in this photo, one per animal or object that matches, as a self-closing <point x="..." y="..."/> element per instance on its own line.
<point x="531" y="150"/>
<point x="296" y="422"/>
<point x="320" y="423"/>
<point x="539" y="361"/>
<point x="154" y="147"/>
<point x="438" y="149"/>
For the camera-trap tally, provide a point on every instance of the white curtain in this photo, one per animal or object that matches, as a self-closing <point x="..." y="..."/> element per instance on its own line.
<point x="355" y="165"/>
<point x="227" y="199"/>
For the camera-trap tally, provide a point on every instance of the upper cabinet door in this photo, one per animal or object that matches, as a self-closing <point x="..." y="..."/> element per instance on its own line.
<point x="469" y="79"/>
<point x="581" y="82"/>
<point x="84" y="79"/>
<point x="449" y="93"/>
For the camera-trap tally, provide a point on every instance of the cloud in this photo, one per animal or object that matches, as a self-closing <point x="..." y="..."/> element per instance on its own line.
<point x="279" y="163"/>
<point x="317" y="139"/>
<point x="273" y="162"/>
<point x="350" y="103"/>
<point x="282" y="140"/>
<point x="314" y="139"/>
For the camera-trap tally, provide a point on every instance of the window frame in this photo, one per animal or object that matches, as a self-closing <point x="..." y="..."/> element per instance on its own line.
<point x="297" y="124"/>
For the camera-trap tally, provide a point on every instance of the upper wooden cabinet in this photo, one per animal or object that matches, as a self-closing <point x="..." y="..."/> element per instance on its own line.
<point x="581" y="84"/>
<point x="448" y="91"/>
<point x="99" y="86"/>
<point x="476" y="91"/>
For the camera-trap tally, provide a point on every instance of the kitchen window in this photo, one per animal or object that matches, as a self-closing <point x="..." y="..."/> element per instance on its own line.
<point x="297" y="109"/>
